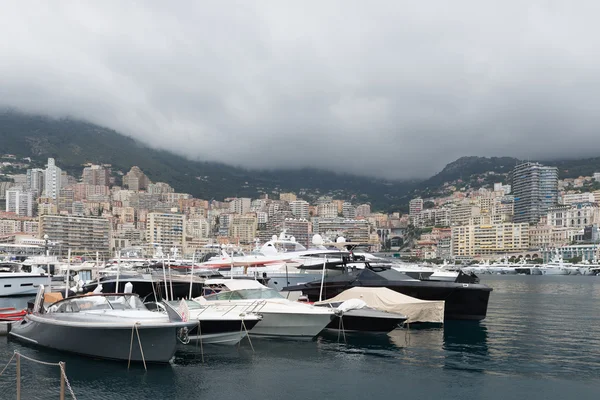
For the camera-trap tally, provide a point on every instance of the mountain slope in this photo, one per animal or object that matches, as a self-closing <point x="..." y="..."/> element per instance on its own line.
<point x="464" y="167"/>
<point x="73" y="143"/>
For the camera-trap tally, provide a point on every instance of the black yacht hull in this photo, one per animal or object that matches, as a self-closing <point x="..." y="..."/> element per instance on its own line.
<point x="463" y="301"/>
<point x="365" y="324"/>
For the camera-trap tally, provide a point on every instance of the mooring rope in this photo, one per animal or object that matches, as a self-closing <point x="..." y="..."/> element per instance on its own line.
<point x="247" y="334"/>
<point x="135" y="328"/>
<point x="200" y="340"/>
<point x="8" y="363"/>
<point x="341" y="327"/>
<point x="59" y="364"/>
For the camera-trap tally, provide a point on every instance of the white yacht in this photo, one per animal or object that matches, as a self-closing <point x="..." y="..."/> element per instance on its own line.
<point x="556" y="266"/>
<point x="280" y="316"/>
<point x="282" y="259"/>
<point x="15" y="282"/>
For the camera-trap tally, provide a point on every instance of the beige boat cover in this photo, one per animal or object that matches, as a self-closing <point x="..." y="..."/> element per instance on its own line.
<point x="385" y="299"/>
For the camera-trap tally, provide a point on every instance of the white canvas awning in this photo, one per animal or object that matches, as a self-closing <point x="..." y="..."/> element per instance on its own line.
<point x="385" y="299"/>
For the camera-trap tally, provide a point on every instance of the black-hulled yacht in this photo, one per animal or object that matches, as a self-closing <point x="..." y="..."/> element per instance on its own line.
<point x="465" y="299"/>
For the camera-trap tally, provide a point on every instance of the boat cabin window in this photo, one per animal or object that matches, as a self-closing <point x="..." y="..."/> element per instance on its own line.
<point x="84" y="275"/>
<point x="9" y="267"/>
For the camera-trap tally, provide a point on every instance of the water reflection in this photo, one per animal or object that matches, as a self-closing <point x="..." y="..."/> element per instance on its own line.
<point x="466" y="336"/>
<point x="466" y="346"/>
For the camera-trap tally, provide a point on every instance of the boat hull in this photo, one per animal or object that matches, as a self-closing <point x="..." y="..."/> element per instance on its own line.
<point x="553" y="271"/>
<point x="463" y="301"/>
<point x="293" y="325"/>
<point x="226" y="332"/>
<point x="363" y="323"/>
<point x="158" y="343"/>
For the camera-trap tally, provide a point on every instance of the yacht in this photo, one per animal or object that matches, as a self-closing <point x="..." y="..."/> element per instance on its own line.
<point x="281" y="317"/>
<point x="102" y="326"/>
<point x="464" y="299"/>
<point x="556" y="266"/>
<point x="15" y="282"/>
<point x="281" y="260"/>
<point x="214" y="325"/>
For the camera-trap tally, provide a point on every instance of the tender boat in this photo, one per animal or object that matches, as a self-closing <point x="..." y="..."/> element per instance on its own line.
<point x="102" y="326"/>
<point x="281" y="317"/>
<point x="414" y="311"/>
<point x="355" y="316"/>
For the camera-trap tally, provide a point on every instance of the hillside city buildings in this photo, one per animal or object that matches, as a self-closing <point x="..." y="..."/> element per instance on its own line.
<point x="93" y="214"/>
<point x="530" y="211"/>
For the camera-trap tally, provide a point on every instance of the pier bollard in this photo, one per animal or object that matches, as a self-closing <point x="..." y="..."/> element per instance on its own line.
<point x="18" y="376"/>
<point x="63" y="372"/>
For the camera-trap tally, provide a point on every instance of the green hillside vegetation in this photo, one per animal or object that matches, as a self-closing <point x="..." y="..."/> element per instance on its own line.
<point x="73" y="143"/>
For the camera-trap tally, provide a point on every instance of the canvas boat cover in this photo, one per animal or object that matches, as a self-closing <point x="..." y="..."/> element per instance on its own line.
<point x="385" y="299"/>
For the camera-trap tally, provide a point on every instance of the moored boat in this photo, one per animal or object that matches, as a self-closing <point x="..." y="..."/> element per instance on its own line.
<point x="101" y="326"/>
<point x="280" y="317"/>
<point x="463" y="300"/>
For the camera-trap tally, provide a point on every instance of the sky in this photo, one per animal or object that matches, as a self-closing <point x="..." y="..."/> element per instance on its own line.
<point x="392" y="89"/>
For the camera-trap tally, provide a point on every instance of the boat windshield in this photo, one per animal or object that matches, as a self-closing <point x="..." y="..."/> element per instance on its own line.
<point x="192" y="305"/>
<point x="87" y="303"/>
<point x="245" y="294"/>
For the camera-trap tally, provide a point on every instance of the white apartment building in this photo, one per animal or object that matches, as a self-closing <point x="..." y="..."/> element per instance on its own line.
<point x="327" y="210"/>
<point x="96" y="175"/>
<point x="489" y="239"/>
<point x="300" y="209"/>
<point x="165" y="230"/>
<point x="433" y="217"/>
<point x="35" y="180"/>
<point x="546" y="236"/>
<point x="578" y="215"/>
<point x="415" y="206"/>
<point x="242" y="228"/>
<point x="52" y="180"/>
<point x="300" y="229"/>
<point x="262" y="217"/>
<point x="352" y="230"/>
<point x="572" y="198"/>
<point x="159" y="188"/>
<point x="20" y="201"/>
<point x="197" y="228"/>
<point x="462" y="212"/>
<point x="348" y="210"/>
<point x="240" y="205"/>
<point x="81" y="235"/>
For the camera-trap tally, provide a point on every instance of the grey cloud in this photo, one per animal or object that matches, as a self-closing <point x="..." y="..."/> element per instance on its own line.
<point x="387" y="88"/>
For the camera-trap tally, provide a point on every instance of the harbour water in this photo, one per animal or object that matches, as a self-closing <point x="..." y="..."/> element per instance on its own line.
<point x="541" y="340"/>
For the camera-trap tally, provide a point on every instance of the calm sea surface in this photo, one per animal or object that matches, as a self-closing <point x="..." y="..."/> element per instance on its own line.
<point x="541" y="340"/>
